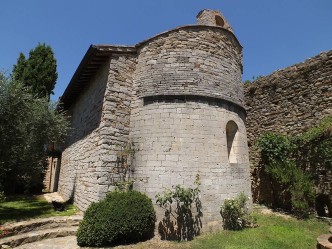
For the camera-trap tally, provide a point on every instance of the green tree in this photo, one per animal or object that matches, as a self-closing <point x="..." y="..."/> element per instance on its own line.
<point x="27" y="125"/>
<point x="19" y="68"/>
<point x="38" y="72"/>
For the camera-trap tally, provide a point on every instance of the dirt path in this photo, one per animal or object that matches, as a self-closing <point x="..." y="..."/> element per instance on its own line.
<point x="267" y="211"/>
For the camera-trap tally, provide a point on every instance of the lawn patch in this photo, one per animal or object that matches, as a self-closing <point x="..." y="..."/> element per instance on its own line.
<point x="18" y="208"/>
<point x="273" y="232"/>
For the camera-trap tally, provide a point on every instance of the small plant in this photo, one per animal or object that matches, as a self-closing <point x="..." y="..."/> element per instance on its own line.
<point x="3" y="233"/>
<point x="124" y="185"/>
<point x="179" y="203"/>
<point x="122" y="217"/>
<point x="124" y="158"/>
<point x="122" y="179"/>
<point x="302" y="193"/>
<point x="256" y="77"/>
<point x="235" y="213"/>
<point x="2" y="196"/>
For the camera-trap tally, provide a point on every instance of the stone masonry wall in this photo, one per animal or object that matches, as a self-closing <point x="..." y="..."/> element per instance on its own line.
<point x="116" y="113"/>
<point x="187" y="86"/>
<point x="175" y="141"/>
<point x="214" y="18"/>
<point x="88" y="163"/>
<point x="172" y="101"/>
<point x="289" y="101"/>
<point x="192" y="60"/>
<point x="82" y="152"/>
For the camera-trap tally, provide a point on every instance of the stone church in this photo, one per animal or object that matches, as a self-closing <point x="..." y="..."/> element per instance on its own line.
<point x="175" y="100"/>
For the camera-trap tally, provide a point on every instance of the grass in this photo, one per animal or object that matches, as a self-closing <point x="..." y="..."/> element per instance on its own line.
<point x="18" y="208"/>
<point x="273" y="232"/>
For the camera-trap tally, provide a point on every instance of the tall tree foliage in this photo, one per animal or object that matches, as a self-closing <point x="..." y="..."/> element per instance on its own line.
<point x="38" y="71"/>
<point x="27" y="124"/>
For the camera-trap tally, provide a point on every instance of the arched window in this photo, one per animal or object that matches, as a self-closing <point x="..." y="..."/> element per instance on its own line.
<point x="219" y="21"/>
<point x="323" y="205"/>
<point x="231" y="135"/>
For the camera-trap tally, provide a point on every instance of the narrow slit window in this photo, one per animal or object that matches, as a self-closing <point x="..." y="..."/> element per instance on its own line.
<point x="231" y="135"/>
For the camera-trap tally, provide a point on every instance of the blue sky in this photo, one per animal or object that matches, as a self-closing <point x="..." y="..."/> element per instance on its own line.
<point x="274" y="34"/>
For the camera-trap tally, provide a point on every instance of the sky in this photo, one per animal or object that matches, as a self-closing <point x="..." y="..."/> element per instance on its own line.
<point x="274" y="34"/>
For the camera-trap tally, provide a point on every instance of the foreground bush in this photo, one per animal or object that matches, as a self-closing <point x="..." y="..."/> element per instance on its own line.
<point x="183" y="212"/>
<point x="235" y="213"/>
<point x="122" y="217"/>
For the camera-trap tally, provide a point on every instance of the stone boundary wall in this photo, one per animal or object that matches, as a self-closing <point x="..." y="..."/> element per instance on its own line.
<point x="289" y="101"/>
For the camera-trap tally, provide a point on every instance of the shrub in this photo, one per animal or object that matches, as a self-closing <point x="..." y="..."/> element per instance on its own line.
<point x="282" y="159"/>
<point x="235" y="213"/>
<point x="122" y="217"/>
<point x="183" y="212"/>
<point x="2" y="196"/>
<point x="303" y="193"/>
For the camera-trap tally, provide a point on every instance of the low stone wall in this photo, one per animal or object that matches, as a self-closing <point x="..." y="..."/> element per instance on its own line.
<point x="288" y="101"/>
<point x="324" y="241"/>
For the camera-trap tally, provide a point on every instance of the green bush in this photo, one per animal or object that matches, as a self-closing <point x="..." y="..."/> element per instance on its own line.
<point x="183" y="212"/>
<point x="302" y="194"/>
<point x="282" y="158"/>
<point x="235" y="213"/>
<point x="2" y="196"/>
<point x="122" y="217"/>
